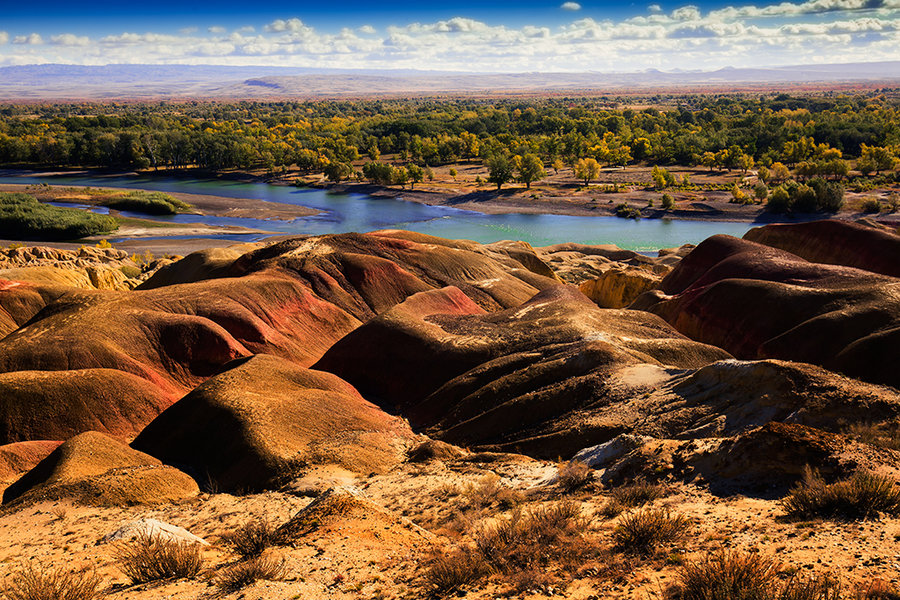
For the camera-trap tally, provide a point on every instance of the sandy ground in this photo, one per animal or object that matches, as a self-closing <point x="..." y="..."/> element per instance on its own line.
<point x="353" y="556"/>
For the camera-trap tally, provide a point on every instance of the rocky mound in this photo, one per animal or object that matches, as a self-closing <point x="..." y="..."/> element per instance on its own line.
<point x="292" y="299"/>
<point x="765" y="461"/>
<point x="761" y="302"/>
<point x="209" y="263"/>
<point x="521" y="378"/>
<point x="344" y="509"/>
<point x="59" y="404"/>
<point x="366" y="274"/>
<point x="19" y="457"/>
<point x="835" y="242"/>
<point x="575" y="263"/>
<point x="20" y="301"/>
<point x="265" y="420"/>
<point x="177" y="336"/>
<point x="94" y="468"/>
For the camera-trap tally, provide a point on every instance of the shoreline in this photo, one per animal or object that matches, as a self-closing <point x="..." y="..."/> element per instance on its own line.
<point x="697" y="205"/>
<point x="512" y="201"/>
<point x="201" y="204"/>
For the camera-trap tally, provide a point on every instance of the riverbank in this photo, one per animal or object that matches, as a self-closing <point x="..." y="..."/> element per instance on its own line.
<point x="701" y="205"/>
<point x="557" y="194"/>
<point x="201" y="204"/>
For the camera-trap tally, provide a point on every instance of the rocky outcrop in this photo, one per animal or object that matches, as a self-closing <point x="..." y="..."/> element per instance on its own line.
<point x="836" y="243"/>
<point x="265" y="420"/>
<point x="94" y="468"/>
<point x="764" y="461"/>
<point x="88" y="267"/>
<point x="575" y="263"/>
<point x="760" y="302"/>
<point x="617" y="288"/>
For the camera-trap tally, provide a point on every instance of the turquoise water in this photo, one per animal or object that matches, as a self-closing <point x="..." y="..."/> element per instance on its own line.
<point x="359" y="212"/>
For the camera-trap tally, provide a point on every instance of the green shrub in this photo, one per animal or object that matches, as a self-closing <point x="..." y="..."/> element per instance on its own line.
<point x="22" y="217"/>
<point x="779" y="200"/>
<point x="625" y="211"/>
<point x="871" y="205"/>
<point x="862" y="496"/>
<point x="667" y="201"/>
<point x="30" y="583"/>
<point x="151" y="203"/>
<point x="642" y="532"/>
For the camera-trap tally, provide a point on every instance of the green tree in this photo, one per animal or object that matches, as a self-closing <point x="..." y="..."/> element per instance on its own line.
<point x="530" y="168"/>
<point x="416" y="174"/>
<point x="337" y="171"/>
<point x="874" y="158"/>
<point x="500" y="170"/>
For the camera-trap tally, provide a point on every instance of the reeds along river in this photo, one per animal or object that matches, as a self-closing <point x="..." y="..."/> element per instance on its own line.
<point x="359" y="212"/>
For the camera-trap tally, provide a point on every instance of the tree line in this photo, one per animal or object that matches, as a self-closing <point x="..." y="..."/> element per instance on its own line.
<point x="809" y="137"/>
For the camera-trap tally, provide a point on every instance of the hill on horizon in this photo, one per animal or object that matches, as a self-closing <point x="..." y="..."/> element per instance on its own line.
<point x="66" y="82"/>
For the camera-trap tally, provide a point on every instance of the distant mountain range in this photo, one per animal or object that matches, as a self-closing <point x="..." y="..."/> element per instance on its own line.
<point x="59" y="82"/>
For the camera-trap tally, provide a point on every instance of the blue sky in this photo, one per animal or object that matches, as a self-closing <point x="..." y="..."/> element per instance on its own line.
<point x="527" y="35"/>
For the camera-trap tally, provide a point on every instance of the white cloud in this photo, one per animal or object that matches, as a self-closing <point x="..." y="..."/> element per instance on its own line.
<point x="217" y="29"/>
<point x="187" y="30"/>
<point x="280" y="25"/>
<point x="570" y="6"/>
<point x="4" y="37"/>
<point x="686" y="13"/>
<point x="70" y="39"/>
<point x="687" y="37"/>
<point x="30" y="39"/>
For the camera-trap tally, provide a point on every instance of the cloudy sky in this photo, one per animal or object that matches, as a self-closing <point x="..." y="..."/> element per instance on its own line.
<point x="504" y="36"/>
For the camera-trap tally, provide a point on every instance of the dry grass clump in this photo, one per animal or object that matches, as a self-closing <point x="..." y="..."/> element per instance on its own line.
<point x="638" y="493"/>
<point x="523" y="546"/>
<point x="642" y="532"/>
<point x="154" y="558"/>
<point x="489" y="491"/>
<point x="747" y="576"/>
<point x="30" y="583"/>
<point x="534" y="538"/>
<point x="878" y="590"/>
<point x="862" y="496"/>
<point x="251" y="539"/>
<point x="883" y="435"/>
<point x="250" y="571"/>
<point x="451" y="571"/>
<point x="574" y="475"/>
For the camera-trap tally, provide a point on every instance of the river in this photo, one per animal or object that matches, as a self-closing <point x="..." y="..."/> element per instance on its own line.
<point x="359" y="212"/>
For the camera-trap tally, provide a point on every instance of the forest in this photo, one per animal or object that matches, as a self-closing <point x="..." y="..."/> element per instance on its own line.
<point x="725" y="132"/>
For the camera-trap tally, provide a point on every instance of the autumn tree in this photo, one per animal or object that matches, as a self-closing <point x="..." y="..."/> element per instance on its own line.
<point x="529" y="168"/>
<point x="587" y="169"/>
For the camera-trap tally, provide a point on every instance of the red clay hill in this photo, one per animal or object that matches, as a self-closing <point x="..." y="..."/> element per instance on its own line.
<point x="249" y="367"/>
